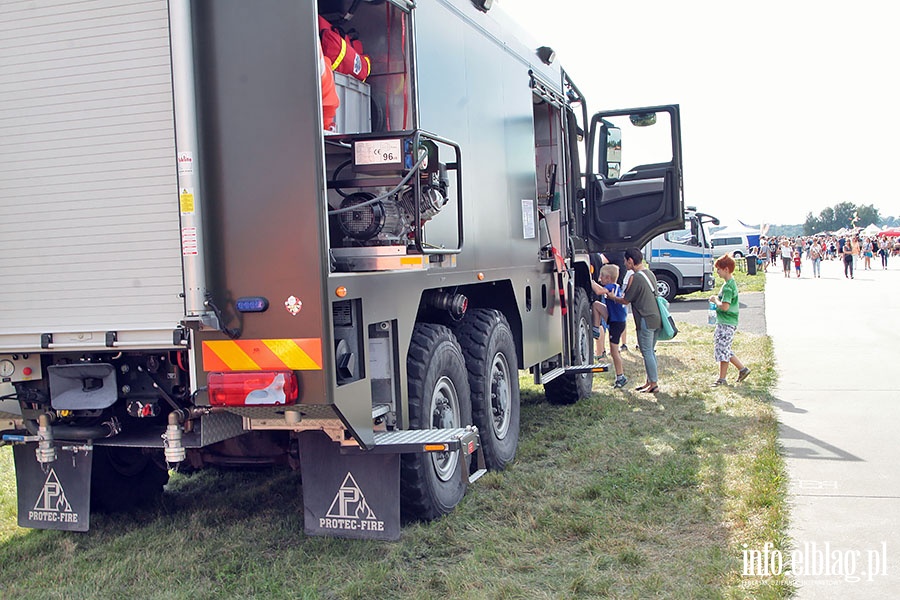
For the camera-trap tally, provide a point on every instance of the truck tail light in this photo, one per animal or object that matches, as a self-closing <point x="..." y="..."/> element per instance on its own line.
<point x="257" y="388"/>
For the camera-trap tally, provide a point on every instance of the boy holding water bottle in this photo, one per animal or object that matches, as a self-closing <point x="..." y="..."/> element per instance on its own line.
<point x="726" y="304"/>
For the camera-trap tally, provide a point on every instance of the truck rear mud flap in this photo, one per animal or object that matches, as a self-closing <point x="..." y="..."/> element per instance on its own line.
<point x="353" y="493"/>
<point x="54" y="495"/>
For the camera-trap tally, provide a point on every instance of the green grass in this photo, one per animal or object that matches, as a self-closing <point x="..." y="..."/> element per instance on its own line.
<point x="745" y="283"/>
<point x="624" y="495"/>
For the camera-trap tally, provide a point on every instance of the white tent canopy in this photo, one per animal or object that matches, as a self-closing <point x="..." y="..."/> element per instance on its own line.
<point x="736" y="228"/>
<point x="872" y="229"/>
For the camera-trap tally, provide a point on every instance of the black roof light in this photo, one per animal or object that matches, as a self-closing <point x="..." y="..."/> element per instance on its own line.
<point x="546" y="54"/>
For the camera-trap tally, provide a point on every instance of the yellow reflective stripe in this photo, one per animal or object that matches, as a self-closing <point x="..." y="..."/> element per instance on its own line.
<point x="292" y="355"/>
<point x="301" y="354"/>
<point x="232" y="355"/>
<point x="340" y="57"/>
<point x="369" y="65"/>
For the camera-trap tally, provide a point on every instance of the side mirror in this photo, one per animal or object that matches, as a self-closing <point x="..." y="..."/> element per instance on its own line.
<point x="613" y="138"/>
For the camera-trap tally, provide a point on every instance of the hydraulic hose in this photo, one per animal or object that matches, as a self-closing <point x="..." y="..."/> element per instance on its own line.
<point x="75" y="432"/>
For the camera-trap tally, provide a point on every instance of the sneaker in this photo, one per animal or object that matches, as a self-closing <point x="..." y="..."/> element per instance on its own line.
<point x="596" y="333"/>
<point x="720" y="382"/>
<point x="621" y="380"/>
<point x="742" y="374"/>
<point x="601" y="356"/>
<point x="623" y="348"/>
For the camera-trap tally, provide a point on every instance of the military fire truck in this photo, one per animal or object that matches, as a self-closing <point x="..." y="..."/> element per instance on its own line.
<point x="193" y="273"/>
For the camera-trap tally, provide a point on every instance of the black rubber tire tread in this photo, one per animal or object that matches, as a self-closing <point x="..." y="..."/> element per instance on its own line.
<point x="433" y="353"/>
<point x="125" y="478"/>
<point x="483" y="333"/>
<point x="670" y="281"/>
<point x="570" y="388"/>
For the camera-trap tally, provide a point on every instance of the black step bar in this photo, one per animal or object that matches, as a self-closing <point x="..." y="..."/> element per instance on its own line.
<point x="598" y="368"/>
<point x="464" y="439"/>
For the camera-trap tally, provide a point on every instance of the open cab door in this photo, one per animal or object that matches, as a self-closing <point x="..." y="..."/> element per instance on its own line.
<point x="635" y="195"/>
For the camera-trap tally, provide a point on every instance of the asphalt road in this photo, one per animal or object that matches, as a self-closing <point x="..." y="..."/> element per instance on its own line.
<point x="752" y="311"/>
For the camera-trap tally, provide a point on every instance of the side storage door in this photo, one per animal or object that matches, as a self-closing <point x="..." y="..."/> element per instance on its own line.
<point x="634" y="180"/>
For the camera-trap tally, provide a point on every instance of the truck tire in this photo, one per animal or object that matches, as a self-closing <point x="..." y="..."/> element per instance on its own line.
<point x="125" y="478"/>
<point x="666" y="286"/>
<point x="431" y="484"/>
<point x="569" y="388"/>
<point x="490" y="351"/>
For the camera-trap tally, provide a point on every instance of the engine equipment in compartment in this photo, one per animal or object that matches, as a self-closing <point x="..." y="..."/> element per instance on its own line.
<point x="398" y="184"/>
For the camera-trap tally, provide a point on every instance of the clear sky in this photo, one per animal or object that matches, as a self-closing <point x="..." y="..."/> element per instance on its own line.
<point x="787" y="106"/>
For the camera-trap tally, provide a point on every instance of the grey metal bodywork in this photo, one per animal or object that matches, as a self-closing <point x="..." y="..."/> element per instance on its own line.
<point x="262" y="160"/>
<point x="262" y="163"/>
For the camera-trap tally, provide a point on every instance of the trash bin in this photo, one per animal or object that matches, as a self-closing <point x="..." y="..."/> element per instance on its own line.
<point x="751" y="265"/>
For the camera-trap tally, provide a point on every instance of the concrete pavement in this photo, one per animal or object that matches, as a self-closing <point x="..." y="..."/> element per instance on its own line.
<point x="837" y="345"/>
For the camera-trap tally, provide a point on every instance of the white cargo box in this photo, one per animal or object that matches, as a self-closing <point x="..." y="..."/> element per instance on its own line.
<point x="89" y="219"/>
<point x="354" y="115"/>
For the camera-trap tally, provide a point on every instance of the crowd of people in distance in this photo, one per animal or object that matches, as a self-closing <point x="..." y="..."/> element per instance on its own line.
<point x="852" y="249"/>
<point x="622" y="280"/>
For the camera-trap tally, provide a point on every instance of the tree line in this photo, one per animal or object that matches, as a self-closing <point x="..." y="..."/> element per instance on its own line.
<point x="845" y="214"/>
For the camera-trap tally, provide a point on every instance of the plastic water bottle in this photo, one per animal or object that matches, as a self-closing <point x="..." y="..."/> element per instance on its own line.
<point x="711" y="314"/>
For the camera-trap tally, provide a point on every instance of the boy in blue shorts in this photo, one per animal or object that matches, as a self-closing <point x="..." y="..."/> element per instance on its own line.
<point x="615" y="315"/>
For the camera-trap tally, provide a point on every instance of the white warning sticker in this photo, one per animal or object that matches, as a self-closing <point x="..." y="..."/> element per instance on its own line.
<point x="185" y="162"/>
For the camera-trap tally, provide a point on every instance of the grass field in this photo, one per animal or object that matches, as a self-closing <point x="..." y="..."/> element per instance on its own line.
<point x="745" y="283"/>
<point x="624" y="495"/>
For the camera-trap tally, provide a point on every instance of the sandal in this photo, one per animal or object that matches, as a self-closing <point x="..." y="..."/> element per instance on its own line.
<point x="642" y="388"/>
<point x="651" y="390"/>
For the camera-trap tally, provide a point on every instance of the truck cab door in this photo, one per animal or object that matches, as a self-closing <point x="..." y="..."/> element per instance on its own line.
<point x="634" y="176"/>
